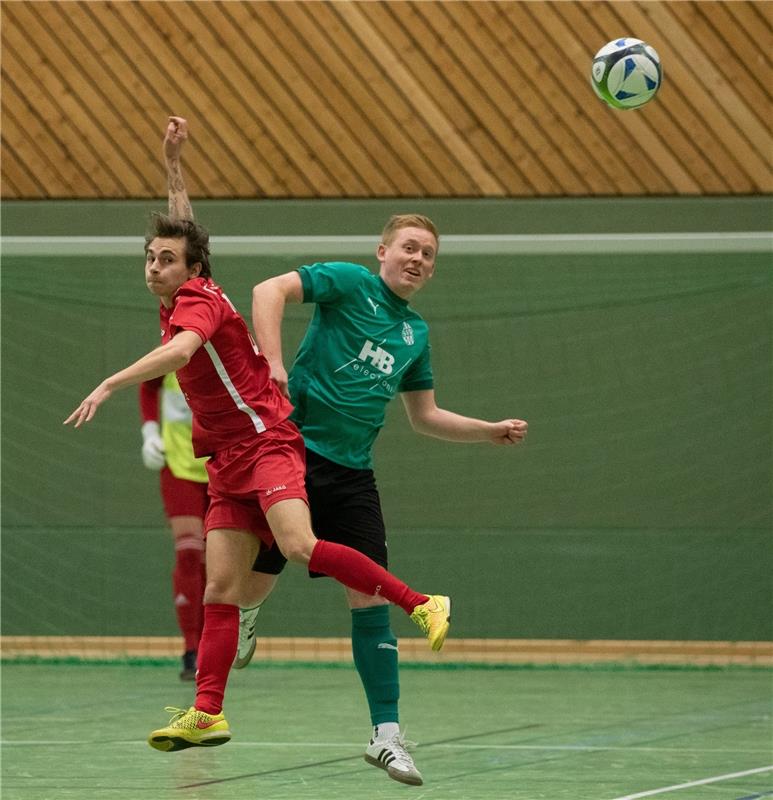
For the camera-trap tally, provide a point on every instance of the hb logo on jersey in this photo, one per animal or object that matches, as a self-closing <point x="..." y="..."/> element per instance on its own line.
<point x="377" y="356"/>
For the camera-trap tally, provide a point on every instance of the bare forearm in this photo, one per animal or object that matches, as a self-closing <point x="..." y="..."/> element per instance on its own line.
<point x="158" y="362"/>
<point x="179" y="202"/>
<point x="453" y="427"/>
<point x="427" y="418"/>
<point x="167" y="358"/>
<point x="268" y="305"/>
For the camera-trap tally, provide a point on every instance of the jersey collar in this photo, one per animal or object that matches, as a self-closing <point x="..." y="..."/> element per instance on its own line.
<point x="390" y="295"/>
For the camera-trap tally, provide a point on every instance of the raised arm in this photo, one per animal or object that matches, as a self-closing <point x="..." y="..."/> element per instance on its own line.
<point x="269" y="299"/>
<point x="425" y="417"/>
<point x="179" y="203"/>
<point x="168" y="357"/>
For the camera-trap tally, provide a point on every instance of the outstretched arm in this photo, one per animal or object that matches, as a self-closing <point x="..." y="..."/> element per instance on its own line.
<point x="179" y="203"/>
<point x="167" y="358"/>
<point x="269" y="299"/>
<point x="427" y="418"/>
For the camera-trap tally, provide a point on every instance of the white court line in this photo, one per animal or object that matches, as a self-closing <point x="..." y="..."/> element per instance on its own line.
<point x="456" y="244"/>
<point x="676" y="787"/>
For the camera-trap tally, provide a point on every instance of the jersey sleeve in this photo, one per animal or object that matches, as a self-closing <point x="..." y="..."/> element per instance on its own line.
<point x="330" y="282"/>
<point x="197" y="309"/>
<point x="419" y="375"/>
<point x="150" y="392"/>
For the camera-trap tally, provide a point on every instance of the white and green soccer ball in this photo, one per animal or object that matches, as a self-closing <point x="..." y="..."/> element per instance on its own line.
<point x="626" y="73"/>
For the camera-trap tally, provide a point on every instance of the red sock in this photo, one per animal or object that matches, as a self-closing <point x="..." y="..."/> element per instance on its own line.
<point x="217" y="649"/>
<point x="188" y="590"/>
<point x="358" y="572"/>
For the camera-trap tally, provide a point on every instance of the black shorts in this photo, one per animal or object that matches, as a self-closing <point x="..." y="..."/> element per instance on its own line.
<point x="345" y="508"/>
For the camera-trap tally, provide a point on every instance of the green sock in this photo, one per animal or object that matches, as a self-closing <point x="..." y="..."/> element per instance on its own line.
<point x="374" y="647"/>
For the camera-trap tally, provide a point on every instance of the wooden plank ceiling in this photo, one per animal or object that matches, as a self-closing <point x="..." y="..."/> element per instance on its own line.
<point x="380" y="99"/>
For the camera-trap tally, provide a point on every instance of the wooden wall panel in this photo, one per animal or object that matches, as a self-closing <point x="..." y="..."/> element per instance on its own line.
<point x="462" y="62"/>
<point x="537" y="85"/>
<point x="335" y="106"/>
<point x="553" y="35"/>
<point x="674" y="162"/>
<point x="434" y="158"/>
<point x="709" y="102"/>
<point x="473" y="98"/>
<point x="436" y="151"/>
<point x="524" y="106"/>
<point x="24" y="162"/>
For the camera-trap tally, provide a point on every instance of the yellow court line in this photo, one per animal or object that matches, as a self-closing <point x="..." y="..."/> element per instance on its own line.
<point x="483" y="651"/>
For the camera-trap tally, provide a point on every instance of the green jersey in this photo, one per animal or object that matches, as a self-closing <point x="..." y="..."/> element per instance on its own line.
<point x="363" y="345"/>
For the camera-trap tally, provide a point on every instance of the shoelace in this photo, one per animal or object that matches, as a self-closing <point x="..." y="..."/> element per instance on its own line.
<point x="177" y="712"/>
<point x="421" y="617"/>
<point x="400" y="746"/>
<point x="178" y="721"/>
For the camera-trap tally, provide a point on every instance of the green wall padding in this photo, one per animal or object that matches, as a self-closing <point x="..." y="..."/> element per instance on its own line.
<point x="639" y="508"/>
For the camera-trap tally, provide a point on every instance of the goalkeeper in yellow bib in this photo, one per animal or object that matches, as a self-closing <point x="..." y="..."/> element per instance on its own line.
<point x="167" y="447"/>
<point x="364" y="345"/>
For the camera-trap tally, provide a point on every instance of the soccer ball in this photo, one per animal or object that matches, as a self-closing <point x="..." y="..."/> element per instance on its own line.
<point x="626" y="73"/>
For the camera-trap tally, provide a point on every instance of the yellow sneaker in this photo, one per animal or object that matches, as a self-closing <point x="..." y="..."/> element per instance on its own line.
<point x="191" y="728"/>
<point x="434" y="618"/>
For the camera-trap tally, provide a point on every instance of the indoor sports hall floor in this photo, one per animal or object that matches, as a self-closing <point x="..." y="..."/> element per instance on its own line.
<point x="77" y="732"/>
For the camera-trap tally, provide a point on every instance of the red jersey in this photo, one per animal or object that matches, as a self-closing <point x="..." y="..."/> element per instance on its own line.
<point x="227" y="382"/>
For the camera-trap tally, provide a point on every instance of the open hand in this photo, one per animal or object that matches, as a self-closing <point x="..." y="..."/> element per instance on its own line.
<point x="88" y="407"/>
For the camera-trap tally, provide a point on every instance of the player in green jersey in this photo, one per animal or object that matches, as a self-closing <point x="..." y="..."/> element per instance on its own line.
<point x="364" y="345"/>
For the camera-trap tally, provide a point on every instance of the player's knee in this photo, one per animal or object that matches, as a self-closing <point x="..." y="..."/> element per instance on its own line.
<point x="220" y="590"/>
<point x="298" y="549"/>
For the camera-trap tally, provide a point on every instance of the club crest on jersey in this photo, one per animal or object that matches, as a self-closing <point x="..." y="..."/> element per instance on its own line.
<point x="408" y="337"/>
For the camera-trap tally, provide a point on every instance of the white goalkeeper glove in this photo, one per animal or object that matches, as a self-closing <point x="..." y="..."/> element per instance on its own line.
<point x="152" y="446"/>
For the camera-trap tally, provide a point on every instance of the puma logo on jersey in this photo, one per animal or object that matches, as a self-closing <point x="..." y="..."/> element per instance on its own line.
<point x="373" y="305"/>
<point x="385" y="646"/>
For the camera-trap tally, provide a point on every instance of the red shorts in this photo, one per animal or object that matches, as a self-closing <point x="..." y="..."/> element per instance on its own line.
<point x="181" y="497"/>
<point x="247" y="479"/>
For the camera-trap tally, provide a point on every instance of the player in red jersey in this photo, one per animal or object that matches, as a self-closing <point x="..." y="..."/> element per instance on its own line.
<point x="167" y="449"/>
<point x="256" y="467"/>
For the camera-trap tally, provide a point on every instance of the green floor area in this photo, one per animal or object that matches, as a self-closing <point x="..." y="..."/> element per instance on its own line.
<point x="77" y="732"/>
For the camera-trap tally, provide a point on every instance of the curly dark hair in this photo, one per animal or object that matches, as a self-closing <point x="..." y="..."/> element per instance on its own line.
<point x="196" y="238"/>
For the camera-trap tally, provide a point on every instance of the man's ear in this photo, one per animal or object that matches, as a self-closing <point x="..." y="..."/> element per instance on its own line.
<point x="380" y="250"/>
<point x="195" y="269"/>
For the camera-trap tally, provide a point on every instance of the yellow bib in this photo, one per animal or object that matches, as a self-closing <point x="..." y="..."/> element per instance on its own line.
<point x="176" y="433"/>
